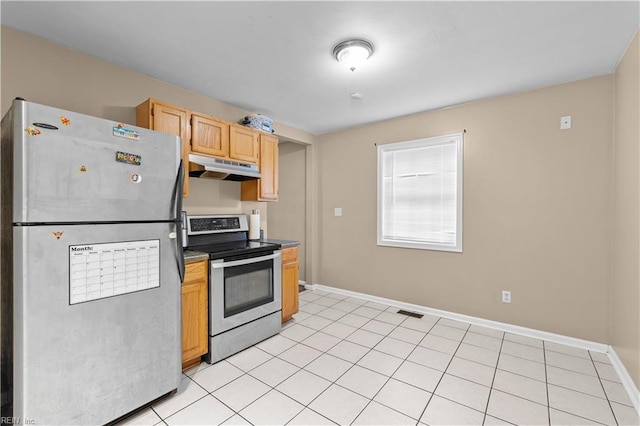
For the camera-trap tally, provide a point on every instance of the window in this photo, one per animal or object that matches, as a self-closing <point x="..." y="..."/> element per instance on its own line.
<point x="420" y="193"/>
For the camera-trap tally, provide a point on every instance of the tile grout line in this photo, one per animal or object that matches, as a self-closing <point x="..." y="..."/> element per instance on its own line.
<point x="526" y="359"/>
<point x="467" y="331"/>
<point x="300" y="368"/>
<point x="247" y="373"/>
<point x="555" y="366"/>
<point x="235" y="413"/>
<point x="493" y="380"/>
<point x="584" y="393"/>
<point x="189" y="404"/>
<point x="226" y="405"/>
<point x="156" y="413"/>
<point x="424" y="410"/>
<point x="613" y="413"/>
<point x="354" y="363"/>
<point x="390" y="376"/>
<point x="546" y="381"/>
<point x="496" y="368"/>
<point x="272" y="388"/>
<point x="310" y="409"/>
<point x="580" y="417"/>
<point x="395" y="326"/>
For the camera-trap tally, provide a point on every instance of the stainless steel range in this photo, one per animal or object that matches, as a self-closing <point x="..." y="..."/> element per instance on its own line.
<point x="245" y="288"/>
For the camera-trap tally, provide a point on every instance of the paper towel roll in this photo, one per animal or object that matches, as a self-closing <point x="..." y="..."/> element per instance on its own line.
<point x="254" y="227"/>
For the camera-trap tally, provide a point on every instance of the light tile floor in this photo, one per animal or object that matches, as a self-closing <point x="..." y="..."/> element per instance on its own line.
<point x="344" y="360"/>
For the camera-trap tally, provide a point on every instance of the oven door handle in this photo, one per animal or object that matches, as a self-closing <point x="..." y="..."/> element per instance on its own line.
<point x="244" y="261"/>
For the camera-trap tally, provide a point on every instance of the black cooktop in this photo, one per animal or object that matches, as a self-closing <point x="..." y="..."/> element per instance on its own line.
<point x="235" y="248"/>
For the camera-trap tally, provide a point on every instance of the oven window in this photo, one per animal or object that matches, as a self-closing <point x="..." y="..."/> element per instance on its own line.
<point x="247" y="286"/>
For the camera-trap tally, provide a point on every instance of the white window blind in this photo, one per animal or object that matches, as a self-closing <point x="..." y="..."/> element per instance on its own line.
<point x="420" y="193"/>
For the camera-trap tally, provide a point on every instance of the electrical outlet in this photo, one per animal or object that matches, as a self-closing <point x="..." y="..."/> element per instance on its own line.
<point x="506" y="296"/>
<point x="565" y="122"/>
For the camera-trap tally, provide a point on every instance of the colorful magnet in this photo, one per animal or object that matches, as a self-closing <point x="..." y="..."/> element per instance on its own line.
<point x="32" y="130"/>
<point x="57" y="234"/>
<point x="83" y="169"/>
<point x="64" y="120"/>
<point x="125" y="157"/>
<point x="123" y="132"/>
<point x="136" y="178"/>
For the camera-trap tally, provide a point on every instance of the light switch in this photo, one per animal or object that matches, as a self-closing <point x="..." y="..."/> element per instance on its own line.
<point x="337" y="211"/>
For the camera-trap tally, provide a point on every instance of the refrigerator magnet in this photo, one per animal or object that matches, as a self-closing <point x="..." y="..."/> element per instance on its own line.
<point x="32" y="130"/>
<point x="83" y="169"/>
<point x="57" y="234"/>
<point x="64" y="120"/>
<point x="123" y="132"/>
<point x="125" y="157"/>
<point x="136" y="178"/>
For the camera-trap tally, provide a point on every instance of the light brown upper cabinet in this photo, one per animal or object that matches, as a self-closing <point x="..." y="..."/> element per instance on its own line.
<point x="265" y="188"/>
<point x="166" y="118"/>
<point x="243" y="144"/>
<point x="209" y="136"/>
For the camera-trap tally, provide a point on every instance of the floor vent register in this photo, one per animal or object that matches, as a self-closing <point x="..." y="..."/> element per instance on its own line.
<point x="410" y="314"/>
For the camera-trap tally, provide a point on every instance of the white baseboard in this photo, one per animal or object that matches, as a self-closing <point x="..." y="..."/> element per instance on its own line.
<point x="509" y="328"/>
<point x="627" y="381"/>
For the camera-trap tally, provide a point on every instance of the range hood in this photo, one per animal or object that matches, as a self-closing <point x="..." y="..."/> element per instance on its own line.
<point x="215" y="168"/>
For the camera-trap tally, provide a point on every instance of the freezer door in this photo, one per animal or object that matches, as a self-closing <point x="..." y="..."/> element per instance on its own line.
<point x="94" y="337"/>
<point x="70" y="167"/>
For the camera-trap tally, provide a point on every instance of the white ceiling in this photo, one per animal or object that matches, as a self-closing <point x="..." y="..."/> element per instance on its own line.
<point x="275" y="57"/>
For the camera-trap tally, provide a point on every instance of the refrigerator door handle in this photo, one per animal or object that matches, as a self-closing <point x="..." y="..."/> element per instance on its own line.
<point x="178" y="214"/>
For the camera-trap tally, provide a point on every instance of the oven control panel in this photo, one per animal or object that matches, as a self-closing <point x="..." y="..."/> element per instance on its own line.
<point x="211" y="224"/>
<point x="231" y="223"/>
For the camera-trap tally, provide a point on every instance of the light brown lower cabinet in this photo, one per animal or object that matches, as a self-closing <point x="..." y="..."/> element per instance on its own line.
<point x="195" y="315"/>
<point x="289" y="282"/>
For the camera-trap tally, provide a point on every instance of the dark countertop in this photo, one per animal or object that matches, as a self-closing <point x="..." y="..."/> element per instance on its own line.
<point x="194" y="256"/>
<point x="283" y="243"/>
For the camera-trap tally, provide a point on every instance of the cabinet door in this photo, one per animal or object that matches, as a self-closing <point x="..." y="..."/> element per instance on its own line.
<point x="209" y="137"/>
<point x="243" y="144"/>
<point x="166" y="118"/>
<point x="194" y="311"/>
<point x="289" y="283"/>
<point x="268" y="184"/>
<point x="265" y="188"/>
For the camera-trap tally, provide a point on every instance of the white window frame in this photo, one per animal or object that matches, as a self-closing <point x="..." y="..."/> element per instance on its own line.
<point x="456" y="139"/>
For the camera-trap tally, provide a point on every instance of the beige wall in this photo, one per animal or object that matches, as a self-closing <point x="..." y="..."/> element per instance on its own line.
<point x="537" y="211"/>
<point x="287" y="217"/>
<point x="43" y="72"/>
<point x="625" y="283"/>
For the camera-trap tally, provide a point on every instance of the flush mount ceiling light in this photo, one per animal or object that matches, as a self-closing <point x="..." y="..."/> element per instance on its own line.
<point x="353" y="52"/>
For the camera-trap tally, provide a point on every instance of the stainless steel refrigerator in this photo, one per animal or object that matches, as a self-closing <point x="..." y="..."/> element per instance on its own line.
<point x="91" y="266"/>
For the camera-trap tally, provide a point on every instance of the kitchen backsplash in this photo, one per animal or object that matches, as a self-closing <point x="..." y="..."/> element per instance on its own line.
<point x="207" y="196"/>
